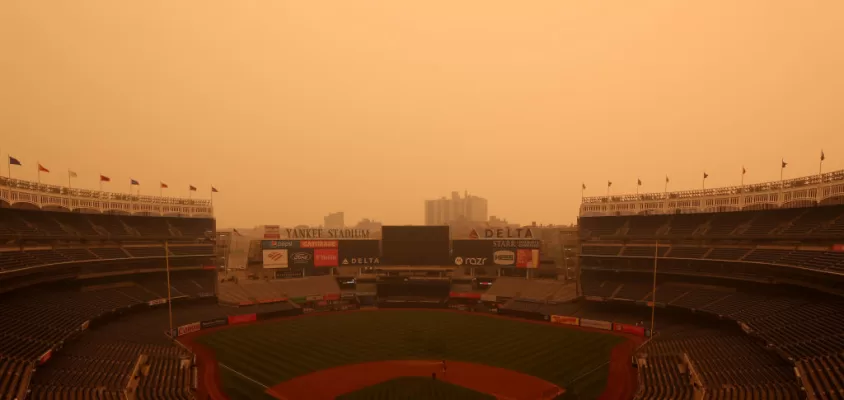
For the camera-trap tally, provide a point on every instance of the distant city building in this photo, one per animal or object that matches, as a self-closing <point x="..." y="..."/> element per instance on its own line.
<point x="334" y="220"/>
<point x="445" y="211"/>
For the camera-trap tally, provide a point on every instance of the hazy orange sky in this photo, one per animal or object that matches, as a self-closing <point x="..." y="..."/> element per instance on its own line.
<point x="294" y="109"/>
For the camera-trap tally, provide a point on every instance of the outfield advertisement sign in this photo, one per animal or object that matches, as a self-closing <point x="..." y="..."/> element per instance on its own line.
<point x="189" y="328"/>
<point x="157" y="302"/>
<point x="276" y="258"/>
<point x="213" y="323"/>
<point x="565" y="320"/>
<point x="241" y="319"/>
<point x="631" y="329"/>
<point x="591" y="323"/>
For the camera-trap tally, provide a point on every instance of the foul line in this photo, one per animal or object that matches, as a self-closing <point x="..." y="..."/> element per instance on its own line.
<point x="244" y="376"/>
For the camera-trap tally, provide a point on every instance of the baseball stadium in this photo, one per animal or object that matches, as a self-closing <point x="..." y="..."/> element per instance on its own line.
<point x="721" y="293"/>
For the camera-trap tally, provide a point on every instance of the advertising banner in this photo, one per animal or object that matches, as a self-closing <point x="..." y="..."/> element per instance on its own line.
<point x="838" y="247"/>
<point x="501" y="233"/>
<point x="331" y="233"/>
<point x="359" y="252"/>
<point x="213" y="323"/>
<point x="315" y="297"/>
<point x="300" y="258"/>
<point x="326" y="258"/>
<point x="631" y="329"/>
<point x="516" y="244"/>
<point x="279" y="244"/>
<point x="489" y="297"/>
<point x="593" y="298"/>
<point x="504" y="258"/>
<point x="591" y="323"/>
<point x="242" y="319"/>
<point x="189" y="328"/>
<point x="272" y="300"/>
<point x="331" y="296"/>
<point x="562" y="319"/>
<point x="272" y="232"/>
<point x="276" y="258"/>
<point x="206" y="294"/>
<point x="318" y="244"/>
<point x="471" y="252"/>
<point x="157" y="302"/>
<point x="527" y="258"/>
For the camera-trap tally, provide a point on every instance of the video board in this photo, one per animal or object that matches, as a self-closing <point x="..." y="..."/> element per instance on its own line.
<point x="415" y="245"/>
<point x="359" y="252"/>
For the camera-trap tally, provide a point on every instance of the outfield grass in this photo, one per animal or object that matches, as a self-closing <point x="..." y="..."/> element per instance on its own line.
<point x="415" y="388"/>
<point x="274" y="352"/>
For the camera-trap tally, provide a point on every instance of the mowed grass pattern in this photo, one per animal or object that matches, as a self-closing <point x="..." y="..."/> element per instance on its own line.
<point x="281" y="350"/>
<point x="415" y="388"/>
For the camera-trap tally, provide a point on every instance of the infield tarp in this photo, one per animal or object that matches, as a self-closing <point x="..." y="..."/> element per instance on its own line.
<point x="591" y="323"/>
<point x="565" y="320"/>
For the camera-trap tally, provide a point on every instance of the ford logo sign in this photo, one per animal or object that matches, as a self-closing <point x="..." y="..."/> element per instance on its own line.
<point x="301" y="257"/>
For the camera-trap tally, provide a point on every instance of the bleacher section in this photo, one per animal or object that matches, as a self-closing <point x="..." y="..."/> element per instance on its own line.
<point x="822" y="221"/>
<point x="11" y="259"/>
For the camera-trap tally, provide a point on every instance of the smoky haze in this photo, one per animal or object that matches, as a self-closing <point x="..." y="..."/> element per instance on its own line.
<point x="294" y="109"/>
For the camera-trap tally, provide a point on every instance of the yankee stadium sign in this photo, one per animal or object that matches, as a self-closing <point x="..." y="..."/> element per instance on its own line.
<point x="320" y="233"/>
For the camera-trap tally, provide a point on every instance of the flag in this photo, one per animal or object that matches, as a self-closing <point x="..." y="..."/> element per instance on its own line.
<point x="640" y="182"/>
<point x="104" y="178"/>
<point x="609" y="183"/>
<point x="784" y="163"/>
<point x="236" y="232"/>
<point x="583" y="186"/>
<point x="822" y="156"/>
<point x="134" y="182"/>
<point x="743" y="170"/>
<point x="71" y="174"/>
<point x="42" y="169"/>
<point x="214" y="190"/>
<point x="192" y="188"/>
<point x="164" y="185"/>
<point x="705" y="175"/>
<point x="666" y="178"/>
<point x="14" y="161"/>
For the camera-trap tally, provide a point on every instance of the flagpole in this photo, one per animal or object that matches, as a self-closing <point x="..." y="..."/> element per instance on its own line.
<point x="653" y="292"/>
<point x="101" y="181"/>
<point x="69" y="186"/>
<point x="39" y="171"/>
<point x="169" y="298"/>
<point x="820" y="180"/>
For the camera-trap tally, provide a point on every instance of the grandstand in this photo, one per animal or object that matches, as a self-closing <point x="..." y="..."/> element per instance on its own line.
<point x="748" y="286"/>
<point x="82" y="282"/>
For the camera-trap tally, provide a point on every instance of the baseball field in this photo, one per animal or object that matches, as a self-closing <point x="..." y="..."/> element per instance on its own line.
<point x="356" y="355"/>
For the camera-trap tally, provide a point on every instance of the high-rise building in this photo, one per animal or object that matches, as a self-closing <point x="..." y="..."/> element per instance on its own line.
<point x="445" y="210"/>
<point x="334" y="221"/>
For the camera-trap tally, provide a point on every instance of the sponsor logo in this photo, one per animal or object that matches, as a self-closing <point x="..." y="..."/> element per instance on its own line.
<point x="362" y="261"/>
<point x="503" y="257"/>
<point x="470" y="260"/>
<point x="502" y="233"/>
<point x="328" y="233"/>
<point x="275" y="255"/>
<point x="45" y="357"/>
<point x="272" y="232"/>
<point x="325" y="257"/>
<point x="189" y="328"/>
<point x="316" y="244"/>
<point x="301" y="258"/>
<point x="527" y="258"/>
<point x="278" y="244"/>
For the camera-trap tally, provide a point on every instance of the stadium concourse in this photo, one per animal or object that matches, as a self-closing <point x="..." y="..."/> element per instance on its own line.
<point x="747" y="290"/>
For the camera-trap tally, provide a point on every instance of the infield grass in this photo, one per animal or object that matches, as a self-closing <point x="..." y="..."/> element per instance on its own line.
<point x="277" y="351"/>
